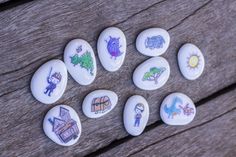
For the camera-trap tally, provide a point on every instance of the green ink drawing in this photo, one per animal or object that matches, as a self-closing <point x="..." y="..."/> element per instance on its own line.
<point x="75" y="59"/>
<point x="85" y="61"/>
<point x="153" y="74"/>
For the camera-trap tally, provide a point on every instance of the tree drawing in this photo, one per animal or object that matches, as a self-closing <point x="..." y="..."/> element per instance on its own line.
<point x="85" y="61"/>
<point x="153" y="74"/>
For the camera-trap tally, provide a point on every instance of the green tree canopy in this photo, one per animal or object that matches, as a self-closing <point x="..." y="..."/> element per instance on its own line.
<point x="153" y="74"/>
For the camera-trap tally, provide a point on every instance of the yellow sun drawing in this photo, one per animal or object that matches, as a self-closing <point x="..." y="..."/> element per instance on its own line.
<point x="193" y="61"/>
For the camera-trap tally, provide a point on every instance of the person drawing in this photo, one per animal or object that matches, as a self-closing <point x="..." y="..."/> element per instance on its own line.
<point x="52" y="80"/>
<point x="139" y="108"/>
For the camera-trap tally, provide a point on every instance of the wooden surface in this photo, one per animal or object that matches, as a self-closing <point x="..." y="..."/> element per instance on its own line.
<point x="34" y="32"/>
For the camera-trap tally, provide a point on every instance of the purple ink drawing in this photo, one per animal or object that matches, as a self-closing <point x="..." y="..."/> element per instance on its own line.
<point x="79" y="49"/>
<point x="52" y="80"/>
<point x="187" y="110"/>
<point x="113" y="47"/>
<point x="139" y="108"/>
<point x="65" y="128"/>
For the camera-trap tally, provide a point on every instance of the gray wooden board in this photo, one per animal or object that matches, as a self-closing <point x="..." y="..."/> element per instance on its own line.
<point x="218" y="138"/>
<point x="3" y="1"/>
<point x="38" y="31"/>
<point x="211" y="132"/>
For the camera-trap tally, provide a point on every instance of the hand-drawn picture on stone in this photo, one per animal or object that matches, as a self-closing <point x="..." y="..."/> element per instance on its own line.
<point x="85" y="60"/>
<point x="172" y="110"/>
<point x="139" y="108"/>
<point x="52" y="80"/>
<point x="113" y="47"/>
<point x="187" y="110"/>
<point x="193" y="61"/>
<point x="101" y="104"/>
<point x="64" y="127"/>
<point x="153" y="74"/>
<point x="154" y="42"/>
<point x="79" y="49"/>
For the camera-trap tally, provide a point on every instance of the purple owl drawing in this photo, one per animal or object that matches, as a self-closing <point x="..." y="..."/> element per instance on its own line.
<point x="113" y="47"/>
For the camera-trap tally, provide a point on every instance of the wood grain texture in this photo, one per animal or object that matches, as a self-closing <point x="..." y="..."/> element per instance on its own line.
<point x="3" y="1"/>
<point x="212" y="129"/>
<point x="201" y="141"/>
<point x="10" y="4"/>
<point x="36" y="32"/>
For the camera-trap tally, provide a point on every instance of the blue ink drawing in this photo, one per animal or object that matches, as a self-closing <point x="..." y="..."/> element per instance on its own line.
<point x="52" y="80"/>
<point x="113" y="47"/>
<point x="79" y="49"/>
<point x="65" y="128"/>
<point x="154" y="42"/>
<point x="172" y="110"/>
<point x="139" y="108"/>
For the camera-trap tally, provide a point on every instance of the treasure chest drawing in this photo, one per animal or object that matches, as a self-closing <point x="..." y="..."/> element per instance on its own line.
<point x="65" y="128"/>
<point x="101" y="104"/>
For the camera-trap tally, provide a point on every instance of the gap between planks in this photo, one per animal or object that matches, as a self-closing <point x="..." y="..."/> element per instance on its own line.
<point x="160" y="122"/>
<point x="9" y="4"/>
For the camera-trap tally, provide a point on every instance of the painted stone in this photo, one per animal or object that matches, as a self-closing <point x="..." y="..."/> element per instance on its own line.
<point x="80" y="61"/>
<point x="191" y="61"/>
<point x="98" y="103"/>
<point x="177" y="109"/>
<point x="153" y="41"/>
<point x="49" y="81"/>
<point x="62" y="125"/>
<point x="136" y="114"/>
<point x="152" y="74"/>
<point x="111" y="48"/>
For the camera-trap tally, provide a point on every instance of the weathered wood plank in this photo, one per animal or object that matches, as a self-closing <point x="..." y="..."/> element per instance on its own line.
<point x="167" y="137"/>
<point x="10" y="4"/>
<point x="217" y="138"/>
<point x="3" y="1"/>
<point x="35" y="38"/>
<point x="202" y="141"/>
<point x="38" y="38"/>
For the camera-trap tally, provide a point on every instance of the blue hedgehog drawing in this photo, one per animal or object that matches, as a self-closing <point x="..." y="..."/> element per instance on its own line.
<point x="154" y="42"/>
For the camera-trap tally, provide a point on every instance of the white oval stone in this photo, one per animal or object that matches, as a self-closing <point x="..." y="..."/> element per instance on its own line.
<point x="177" y="109"/>
<point x="49" y="81"/>
<point x="99" y="103"/>
<point x="191" y="61"/>
<point x="62" y="125"/>
<point x="111" y="47"/>
<point x="153" y="41"/>
<point x="152" y="74"/>
<point x="80" y="61"/>
<point x="136" y="114"/>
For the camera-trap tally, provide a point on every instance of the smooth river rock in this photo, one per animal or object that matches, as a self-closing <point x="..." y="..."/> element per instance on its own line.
<point x="153" y="41"/>
<point x="49" y="81"/>
<point x="98" y="103"/>
<point x="177" y="109"/>
<point x="191" y="61"/>
<point x="80" y="61"/>
<point x="136" y="114"/>
<point x="62" y="125"/>
<point x="111" y="47"/>
<point x="152" y="73"/>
